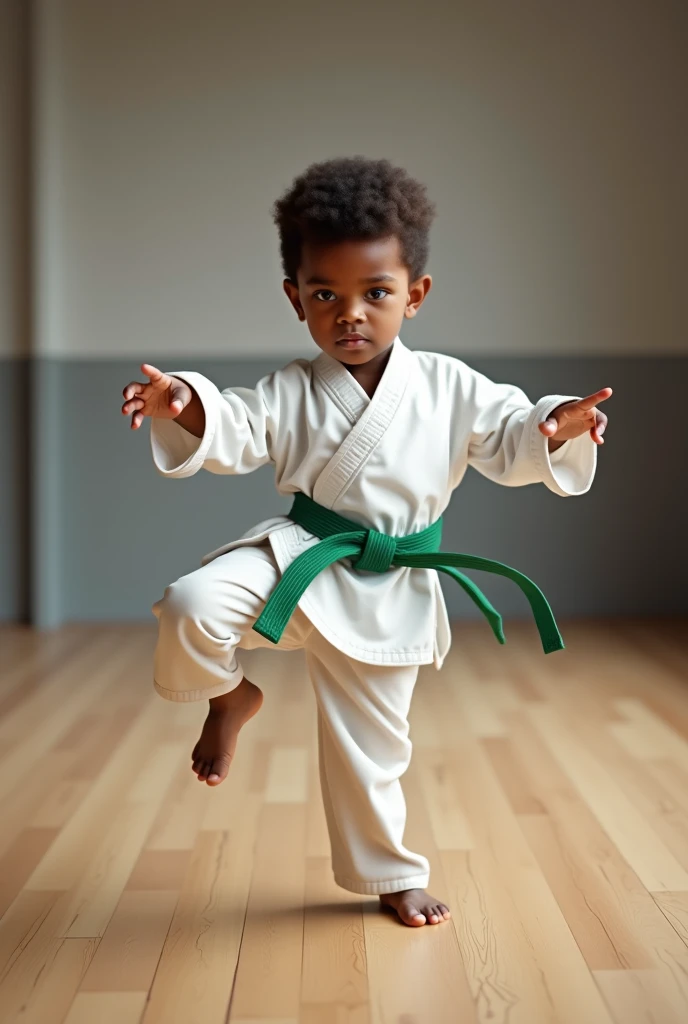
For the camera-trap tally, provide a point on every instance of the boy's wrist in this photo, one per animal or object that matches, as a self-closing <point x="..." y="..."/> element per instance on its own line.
<point x="192" y="416"/>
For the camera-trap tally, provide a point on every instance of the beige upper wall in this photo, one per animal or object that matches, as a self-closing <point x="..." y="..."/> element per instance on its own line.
<point x="551" y="135"/>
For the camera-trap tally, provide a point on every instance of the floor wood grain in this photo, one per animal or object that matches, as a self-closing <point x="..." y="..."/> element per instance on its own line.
<point x="549" y="794"/>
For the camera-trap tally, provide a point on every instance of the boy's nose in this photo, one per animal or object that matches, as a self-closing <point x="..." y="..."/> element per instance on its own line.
<point x="351" y="317"/>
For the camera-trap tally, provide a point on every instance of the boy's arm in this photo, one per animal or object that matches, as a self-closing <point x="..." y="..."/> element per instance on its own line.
<point x="508" y="439"/>
<point x="231" y="431"/>
<point x="196" y="426"/>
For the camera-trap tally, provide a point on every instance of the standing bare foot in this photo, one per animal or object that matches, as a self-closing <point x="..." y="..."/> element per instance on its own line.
<point x="416" y="907"/>
<point x="214" y="751"/>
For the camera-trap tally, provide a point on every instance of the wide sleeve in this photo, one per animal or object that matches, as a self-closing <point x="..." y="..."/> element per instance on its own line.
<point x="239" y="426"/>
<point x="505" y="444"/>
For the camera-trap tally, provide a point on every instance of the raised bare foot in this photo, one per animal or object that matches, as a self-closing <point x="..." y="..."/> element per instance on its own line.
<point x="214" y="751"/>
<point x="416" y="907"/>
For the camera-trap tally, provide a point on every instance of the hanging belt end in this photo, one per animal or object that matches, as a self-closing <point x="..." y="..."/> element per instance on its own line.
<point x="271" y="634"/>
<point x="550" y="644"/>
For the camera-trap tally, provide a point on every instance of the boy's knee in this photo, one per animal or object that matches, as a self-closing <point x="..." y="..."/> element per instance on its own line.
<point x="183" y="601"/>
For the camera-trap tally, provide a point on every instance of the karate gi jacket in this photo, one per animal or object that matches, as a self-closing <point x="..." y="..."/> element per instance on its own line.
<point x="390" y="462"/>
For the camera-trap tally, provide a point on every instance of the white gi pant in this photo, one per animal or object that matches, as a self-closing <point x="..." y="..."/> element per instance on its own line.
<point x="363" y="732"/>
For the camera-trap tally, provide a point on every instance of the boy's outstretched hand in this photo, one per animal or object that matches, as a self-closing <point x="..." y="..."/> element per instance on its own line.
<point x="572" y="419"/>
<point x="163" y="397"/>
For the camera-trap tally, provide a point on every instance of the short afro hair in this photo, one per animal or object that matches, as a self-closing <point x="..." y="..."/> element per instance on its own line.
<point x="354" y="198"/>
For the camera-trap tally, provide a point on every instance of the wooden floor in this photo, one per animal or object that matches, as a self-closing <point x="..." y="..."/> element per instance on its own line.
<point x="550" y="794"/>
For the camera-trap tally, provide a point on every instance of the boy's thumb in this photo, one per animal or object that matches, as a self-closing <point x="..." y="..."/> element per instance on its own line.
<point x="178" y="399"/>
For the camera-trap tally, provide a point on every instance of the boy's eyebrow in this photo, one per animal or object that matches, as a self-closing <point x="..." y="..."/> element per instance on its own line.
<point x="364" y="280"/>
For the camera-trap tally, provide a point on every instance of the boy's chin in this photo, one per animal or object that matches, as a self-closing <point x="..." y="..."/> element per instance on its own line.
<point x="355" y="356"/>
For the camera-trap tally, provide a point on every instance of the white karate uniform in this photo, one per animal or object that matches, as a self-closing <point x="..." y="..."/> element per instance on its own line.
<point x="389" y="462"/>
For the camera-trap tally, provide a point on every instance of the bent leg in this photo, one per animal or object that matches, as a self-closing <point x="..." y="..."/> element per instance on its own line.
<point x="202" y="618"/>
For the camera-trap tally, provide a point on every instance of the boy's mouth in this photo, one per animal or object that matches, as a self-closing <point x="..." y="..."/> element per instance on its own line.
<point x="352" y="341"/>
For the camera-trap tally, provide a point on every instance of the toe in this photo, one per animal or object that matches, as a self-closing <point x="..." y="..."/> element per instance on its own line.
<point x="203" y="772"/>
<point x="196" y="766"/>
<point x="217" y="771"/>
<point x="444" y="911"/>
<point x="411" y="915"/>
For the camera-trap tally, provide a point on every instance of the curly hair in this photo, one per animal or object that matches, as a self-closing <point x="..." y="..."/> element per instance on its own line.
<point x="354" y="198"/>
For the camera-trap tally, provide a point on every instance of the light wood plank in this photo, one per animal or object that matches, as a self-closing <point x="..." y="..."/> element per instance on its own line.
<point x="405" y="964"/>
<point x="159" y="869"/>
<point x="572" y="888"/>
<point x="450" y="828"/>
<point x="268" y="979"/>
<point x="654" y="864"/>
<point x="67" y="857"/>
<point x="107" y="1008"/>
<point x="193" y="982"/>
<point x="661" y="738"/>
<point x="184" y="808"/>
<point x="334" y="961"/>
<point x="498" y="837"/>
<point x="511" y="778"/>
<point x="317" y="836"/>
<point x="21" y="923"/>
<point x="640" y="997"/>
<point x="20" y="860"/>
<point x="674" y="906"/>
<point x="506" y="983"/>
<point x="41" y="989"/>
<point x="586" y="860"/>
<point x="287" y="781"/>
<point x="128" y="954"/>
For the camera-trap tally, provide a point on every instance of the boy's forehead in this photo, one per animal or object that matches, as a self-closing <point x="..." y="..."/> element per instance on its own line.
<point x="351" y="259"/>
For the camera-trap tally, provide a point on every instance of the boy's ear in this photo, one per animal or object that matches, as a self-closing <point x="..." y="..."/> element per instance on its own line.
<point x="292" y="292"/>
<point x="418" y="290"/>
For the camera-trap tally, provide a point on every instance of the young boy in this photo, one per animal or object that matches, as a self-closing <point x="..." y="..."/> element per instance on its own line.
<point x="372" y="438"/>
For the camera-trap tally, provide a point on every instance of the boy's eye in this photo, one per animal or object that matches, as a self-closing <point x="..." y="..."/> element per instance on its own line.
<point x="324" y="295"/>
<point x="378" y="293"/>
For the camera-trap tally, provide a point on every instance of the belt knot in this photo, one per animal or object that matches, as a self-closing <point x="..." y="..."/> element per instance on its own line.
<point x="378" y="552"/>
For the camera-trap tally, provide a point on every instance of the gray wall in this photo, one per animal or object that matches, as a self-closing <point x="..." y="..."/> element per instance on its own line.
<point x="117" y="533"/>
<point x="14" y="489"/>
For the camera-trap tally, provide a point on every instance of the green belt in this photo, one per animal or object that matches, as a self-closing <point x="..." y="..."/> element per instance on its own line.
<point x="376" y="552"/>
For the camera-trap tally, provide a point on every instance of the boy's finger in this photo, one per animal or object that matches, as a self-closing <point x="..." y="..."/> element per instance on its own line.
<point x="598" y="430"/>
<point x="133" y="406"/>
<point x="549" y="426"/>
<point x="179" y="398"/>
<point x="136" y="420"/>
<point x="135" y="388"/>
<point x="592" y="400"/>
<point x="153" y="372"/>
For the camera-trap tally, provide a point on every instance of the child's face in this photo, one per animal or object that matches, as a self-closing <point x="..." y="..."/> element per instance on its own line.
<point x="354" y="295"/>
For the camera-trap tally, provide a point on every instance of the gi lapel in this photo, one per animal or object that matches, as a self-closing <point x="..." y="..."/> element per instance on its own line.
<point x="370" y="424"/>
<point x="341" y="387"/>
